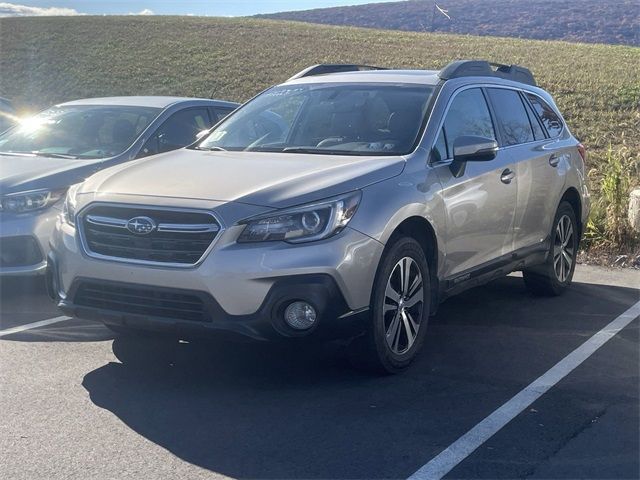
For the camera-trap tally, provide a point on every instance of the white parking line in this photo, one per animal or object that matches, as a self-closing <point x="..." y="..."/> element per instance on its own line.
<point x="29" y="326"/>
<point x="455" y="453"/>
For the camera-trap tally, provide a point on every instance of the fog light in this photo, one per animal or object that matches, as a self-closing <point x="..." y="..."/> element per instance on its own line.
<point x="300" y="315"/>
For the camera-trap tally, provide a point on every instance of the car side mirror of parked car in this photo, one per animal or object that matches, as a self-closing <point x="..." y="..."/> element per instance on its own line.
<point x="469" y="148"/>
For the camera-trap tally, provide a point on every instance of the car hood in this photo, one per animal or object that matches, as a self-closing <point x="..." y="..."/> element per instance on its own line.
<point x="21" y="173"/>
<point x="273" y="180"/>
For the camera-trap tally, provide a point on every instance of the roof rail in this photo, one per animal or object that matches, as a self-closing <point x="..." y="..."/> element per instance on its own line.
<point x="325" y="68"/>
<point x="482" y="68"/>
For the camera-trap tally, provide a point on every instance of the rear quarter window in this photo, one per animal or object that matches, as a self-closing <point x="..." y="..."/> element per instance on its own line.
<point x="547" y="115"/>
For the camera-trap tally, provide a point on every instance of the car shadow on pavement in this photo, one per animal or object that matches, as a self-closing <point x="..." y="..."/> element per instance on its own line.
<point x="296" y="411"/>
<point x="71" y="330"/>
<point x="24" y="300"/>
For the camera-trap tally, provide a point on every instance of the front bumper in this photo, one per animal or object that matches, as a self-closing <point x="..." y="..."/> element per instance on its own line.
<point x="243" y="288"/>
<point x="24" y="240"/>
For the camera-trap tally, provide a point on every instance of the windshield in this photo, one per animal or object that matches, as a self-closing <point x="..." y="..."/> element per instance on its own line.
<point x="83" y="131"/>
<point x="349" y="119"/>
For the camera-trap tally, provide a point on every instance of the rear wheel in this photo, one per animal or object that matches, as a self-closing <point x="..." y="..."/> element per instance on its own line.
<point x="555" y="275"/>
<point x="399" y="310"/>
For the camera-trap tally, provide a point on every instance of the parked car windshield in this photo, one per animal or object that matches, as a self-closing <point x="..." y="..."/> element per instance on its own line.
<point x="349" y="119"/>
<point x="82" y="131"/>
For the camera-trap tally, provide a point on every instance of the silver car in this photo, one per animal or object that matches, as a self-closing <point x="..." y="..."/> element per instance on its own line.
<point x="45" y="154"/>
<point x="349" y="201"/>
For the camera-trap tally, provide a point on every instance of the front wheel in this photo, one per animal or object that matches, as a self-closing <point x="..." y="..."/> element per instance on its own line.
<point x="555" y="275"/>
<point x="399" y="310"/>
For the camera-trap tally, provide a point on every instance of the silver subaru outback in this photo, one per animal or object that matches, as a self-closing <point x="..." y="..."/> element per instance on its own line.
<point x="348" y="201"/>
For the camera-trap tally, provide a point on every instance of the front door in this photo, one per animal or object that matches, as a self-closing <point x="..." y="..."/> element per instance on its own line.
<point x="480" y="204"/>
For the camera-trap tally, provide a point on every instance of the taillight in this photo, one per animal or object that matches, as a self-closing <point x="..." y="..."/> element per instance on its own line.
<point x="582" y="151"/>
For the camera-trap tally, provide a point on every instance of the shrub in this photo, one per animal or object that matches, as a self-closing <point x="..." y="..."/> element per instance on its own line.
<point x="617" y="173"/>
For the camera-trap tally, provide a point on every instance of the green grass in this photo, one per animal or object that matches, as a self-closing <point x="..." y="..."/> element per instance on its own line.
<point x="49" y="60"/>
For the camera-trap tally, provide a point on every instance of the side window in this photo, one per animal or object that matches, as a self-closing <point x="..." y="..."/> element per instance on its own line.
<point x="178" y="131"/>
<point x="439" y="151"/>
<point x="538" y="133"/>
<point x="547" y="115"/>
<point x="219" y="113"/>
<point x="468" y="115"/>
<point x="511" y="116"/>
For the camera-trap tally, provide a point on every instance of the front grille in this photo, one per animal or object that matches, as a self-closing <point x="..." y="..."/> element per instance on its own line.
<point x="175" y="305"/>
<point x="179" y="237"/>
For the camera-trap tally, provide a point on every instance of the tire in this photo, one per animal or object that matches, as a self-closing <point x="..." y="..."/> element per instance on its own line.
<point x="139" y="348"/>
<point x="397" y="324"/>
<point x="554" y="276"/>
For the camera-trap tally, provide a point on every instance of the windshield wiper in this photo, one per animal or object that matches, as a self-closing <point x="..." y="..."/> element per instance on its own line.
<point x="306" y="150"/>
<point x="55" y="155"/>
<point x="210" y="149"/>
<point x="322" y="151"/>
<point x="15" y="154"/>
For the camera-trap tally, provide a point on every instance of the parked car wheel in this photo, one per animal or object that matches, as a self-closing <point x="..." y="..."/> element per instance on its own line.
<point x="399" y="310"/>
<point x="555" y="275"/>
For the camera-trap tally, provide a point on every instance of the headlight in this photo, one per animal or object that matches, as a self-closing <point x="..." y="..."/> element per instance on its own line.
<point x="69" y="206"/>
<point x="29" y="201"/>
<point x="303" y="224"/>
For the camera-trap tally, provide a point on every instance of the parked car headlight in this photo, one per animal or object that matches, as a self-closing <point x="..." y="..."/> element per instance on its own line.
<point x="22" y="202"/>
<point x="69" y="206"/>
<point x="304" y="223"/>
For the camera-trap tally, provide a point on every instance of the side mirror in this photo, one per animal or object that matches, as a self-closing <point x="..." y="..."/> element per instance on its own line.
<point x="470" y="148"/>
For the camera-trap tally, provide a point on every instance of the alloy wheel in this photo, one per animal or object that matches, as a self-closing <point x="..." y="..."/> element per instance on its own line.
<point x="563" y="249"/>
<point x="403" y="305"/>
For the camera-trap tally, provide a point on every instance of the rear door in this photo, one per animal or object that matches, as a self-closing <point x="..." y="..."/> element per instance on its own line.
<point x="480" y="204"/>
<point x="538" y="168"/>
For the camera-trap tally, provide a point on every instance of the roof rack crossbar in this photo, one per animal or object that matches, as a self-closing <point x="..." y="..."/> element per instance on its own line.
<point x="482" y="68"/>
<point x="326" y="68"/>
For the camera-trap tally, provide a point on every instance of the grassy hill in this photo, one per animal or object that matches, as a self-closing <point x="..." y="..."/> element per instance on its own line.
<point x="48" y="60"/>
<point x="593" y="21"/>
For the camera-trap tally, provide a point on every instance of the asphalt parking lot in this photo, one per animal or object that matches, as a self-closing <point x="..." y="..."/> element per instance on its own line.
<point x="77" y="403"/>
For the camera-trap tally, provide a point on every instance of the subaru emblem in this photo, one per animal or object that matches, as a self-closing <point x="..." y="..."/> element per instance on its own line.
<point x="141" y="225"/>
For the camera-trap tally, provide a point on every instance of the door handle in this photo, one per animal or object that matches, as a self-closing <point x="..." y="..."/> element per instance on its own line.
<point x="507" y="175"/>
<point x="554" y="160"/>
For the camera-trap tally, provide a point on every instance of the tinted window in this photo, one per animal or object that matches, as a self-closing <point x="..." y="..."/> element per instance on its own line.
<point x="535" y="123"/>
<point x="511" y="116"/>
<point x="468" y="115"/>
<point x="346" y="119"/>
<point x="220" y="113"/>
<point x="550" y="120"/>
<point x="178" y="131"/>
